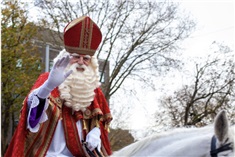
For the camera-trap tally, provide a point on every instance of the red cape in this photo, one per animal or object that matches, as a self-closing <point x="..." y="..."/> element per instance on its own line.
<point x="18" y="144"/>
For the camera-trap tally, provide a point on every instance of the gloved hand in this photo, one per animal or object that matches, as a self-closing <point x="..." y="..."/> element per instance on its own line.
<point x="93" y="139"/>
<point x="56" y="77"/>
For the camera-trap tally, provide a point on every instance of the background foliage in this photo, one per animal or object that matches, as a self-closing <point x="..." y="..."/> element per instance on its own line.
<point x="20" y="65"/>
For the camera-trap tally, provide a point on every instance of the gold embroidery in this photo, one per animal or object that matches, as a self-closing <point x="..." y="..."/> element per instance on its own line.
<point x="87" y="114"/>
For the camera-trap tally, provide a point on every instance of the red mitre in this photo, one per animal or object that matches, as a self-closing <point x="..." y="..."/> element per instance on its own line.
<point x="82" y="36"/>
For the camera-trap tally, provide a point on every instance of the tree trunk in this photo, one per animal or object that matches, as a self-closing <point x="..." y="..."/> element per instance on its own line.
<point x="5" y="131"/>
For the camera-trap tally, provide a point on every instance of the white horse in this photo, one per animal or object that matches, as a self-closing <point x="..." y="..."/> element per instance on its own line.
<point x="191" y="142"/>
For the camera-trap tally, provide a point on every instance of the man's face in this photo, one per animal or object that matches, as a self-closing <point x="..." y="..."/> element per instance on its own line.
<point x="78" y="88"/>
<point x="81" y="60"/>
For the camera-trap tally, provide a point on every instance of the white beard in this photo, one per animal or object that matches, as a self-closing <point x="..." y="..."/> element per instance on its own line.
<point x="78" y="89"/>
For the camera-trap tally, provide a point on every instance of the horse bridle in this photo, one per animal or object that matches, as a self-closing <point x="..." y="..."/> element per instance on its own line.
<point x="214" y="151"/>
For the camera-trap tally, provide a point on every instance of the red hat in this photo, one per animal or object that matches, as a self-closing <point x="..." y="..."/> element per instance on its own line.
<point x="82" y="36"/>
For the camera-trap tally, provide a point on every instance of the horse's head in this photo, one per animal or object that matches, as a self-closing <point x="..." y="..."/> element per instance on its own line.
<point x="222" y="143"/>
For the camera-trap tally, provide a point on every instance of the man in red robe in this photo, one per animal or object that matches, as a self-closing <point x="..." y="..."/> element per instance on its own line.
<point x="66" y="113"/>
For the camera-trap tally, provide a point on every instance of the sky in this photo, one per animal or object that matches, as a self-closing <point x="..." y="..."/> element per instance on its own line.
<point x="215" y="22"/>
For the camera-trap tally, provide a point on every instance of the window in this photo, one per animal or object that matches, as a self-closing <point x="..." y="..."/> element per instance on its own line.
<point x="51" y="64"/>
<point x="19" y="63"/>
<point x="102" y="79"/>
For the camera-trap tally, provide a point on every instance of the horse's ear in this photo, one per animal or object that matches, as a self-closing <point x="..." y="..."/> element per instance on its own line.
<point x="221" y="126"/>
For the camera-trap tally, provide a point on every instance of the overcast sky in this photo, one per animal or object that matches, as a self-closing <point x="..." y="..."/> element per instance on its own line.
<point x="215" y="22"/>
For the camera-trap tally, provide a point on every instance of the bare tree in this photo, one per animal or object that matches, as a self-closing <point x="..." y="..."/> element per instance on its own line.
<point x="212" y="90"/>
<point x="137" y="36"/>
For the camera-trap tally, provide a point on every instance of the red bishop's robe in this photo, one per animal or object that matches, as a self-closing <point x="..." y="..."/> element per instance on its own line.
<point x="27" y="144"/>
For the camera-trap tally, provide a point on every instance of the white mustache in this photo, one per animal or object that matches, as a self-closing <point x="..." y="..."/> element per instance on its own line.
<point x="81" y="66"/>
<point x="74" y="66"/>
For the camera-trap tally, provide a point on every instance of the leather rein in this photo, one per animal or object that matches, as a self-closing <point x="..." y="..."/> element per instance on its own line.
<point x="214" y="151"/>
<point x="91" y="154"/>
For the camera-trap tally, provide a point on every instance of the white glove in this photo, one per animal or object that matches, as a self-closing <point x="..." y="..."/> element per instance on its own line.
<point x="56" y="77"/>
<point x="93" y="139"/>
